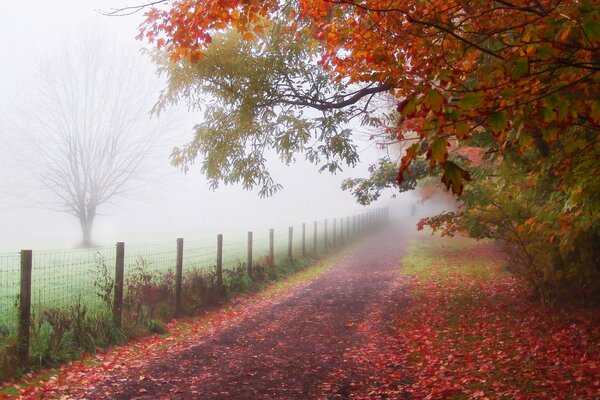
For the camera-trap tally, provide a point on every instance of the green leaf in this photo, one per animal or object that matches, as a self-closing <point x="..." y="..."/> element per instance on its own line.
<point x="407" y="107"/>
<point x="497" y="121"/>
<point x="438" y="151"/>
<point x="547" y="114"/>
<point x="462" y="130"/>
<point x="454" y="176"/>
<point x="595" y="114"/>
<point x="434" y="100"/>
<point x="518" y="67"/>
<point x="544" y="52"/>
<point x="471" y="101"/>
<point x="591" y="28"/>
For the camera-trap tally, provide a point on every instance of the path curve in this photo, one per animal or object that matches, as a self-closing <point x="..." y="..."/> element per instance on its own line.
<point x="300" y="348"/>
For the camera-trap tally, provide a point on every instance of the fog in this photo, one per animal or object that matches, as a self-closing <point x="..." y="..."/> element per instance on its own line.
<point x="168" y="204"/>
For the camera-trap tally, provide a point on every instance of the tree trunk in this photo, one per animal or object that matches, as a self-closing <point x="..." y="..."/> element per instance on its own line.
<point x="86" y="222"/>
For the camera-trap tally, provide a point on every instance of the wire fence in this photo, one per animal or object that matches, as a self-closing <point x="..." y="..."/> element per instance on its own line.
<point x="60" y="278"/>
<point x="9" y="288"/>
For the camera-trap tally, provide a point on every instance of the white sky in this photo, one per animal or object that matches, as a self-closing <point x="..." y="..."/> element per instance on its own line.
<point x="176" y="205"/>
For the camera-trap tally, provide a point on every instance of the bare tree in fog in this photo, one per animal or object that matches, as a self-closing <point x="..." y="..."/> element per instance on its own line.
<point x="87" y="130"/>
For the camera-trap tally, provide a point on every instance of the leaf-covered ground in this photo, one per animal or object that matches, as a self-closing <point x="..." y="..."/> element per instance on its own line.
<point x="469" y="330"/>
<point x="449" y="323"/>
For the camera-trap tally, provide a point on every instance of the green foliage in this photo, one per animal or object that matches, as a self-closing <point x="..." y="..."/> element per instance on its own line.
<point x="104" y="282"/>
<point x="145" y="294"/>
<point x="155" y="326"/>
<point x="383" y="176"/>
<point x="236" y="280"/>
<point x="268" y="93"/>
<point x="65" y="333"/>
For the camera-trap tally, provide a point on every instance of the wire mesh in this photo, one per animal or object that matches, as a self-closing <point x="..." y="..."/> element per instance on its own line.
<point x="234" y="252"/>
<point x="199" y="254"/>
<point x="281" y="244"/>
<point x="260" y="246"/>
<point x="150" y="257"/>
<point x="61" y="278"/>
<point x="9" y="290"/>
<point x="297" y="241"/>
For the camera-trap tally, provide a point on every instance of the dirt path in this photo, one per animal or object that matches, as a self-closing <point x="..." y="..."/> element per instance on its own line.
<point x="300" y="348"/>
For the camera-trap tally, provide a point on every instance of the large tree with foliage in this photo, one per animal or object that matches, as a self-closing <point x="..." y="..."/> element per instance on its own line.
<point x="517" y="79"/>
<point x="261" y="93"/>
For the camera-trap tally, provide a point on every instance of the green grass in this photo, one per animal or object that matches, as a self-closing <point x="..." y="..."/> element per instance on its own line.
<point x="439" y="258"/>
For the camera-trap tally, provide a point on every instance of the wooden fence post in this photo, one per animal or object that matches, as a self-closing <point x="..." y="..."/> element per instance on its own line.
<point x="219" y="263"/>
<point x="178" y="276"/>
<point x="119" y="277"/>
<point x="326" y="244"/>
<point x="272" y="247"/>
<point x="25" y="308"/>
<point x="303" y="239"/>
<point x="249" y="255"/>
<point x="315" y="236"/>
<point x="290" y="242"/>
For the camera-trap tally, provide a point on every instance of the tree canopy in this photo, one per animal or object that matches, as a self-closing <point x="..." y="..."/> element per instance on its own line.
<point x="523" y="70"/>
<point x="517" y="80"/>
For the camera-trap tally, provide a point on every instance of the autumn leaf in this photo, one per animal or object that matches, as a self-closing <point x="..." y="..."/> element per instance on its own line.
<point x="434" y="100"/>
<point x="454" y="176"/>
<point x="407" y="107"/>
<point x="437" y="151"/>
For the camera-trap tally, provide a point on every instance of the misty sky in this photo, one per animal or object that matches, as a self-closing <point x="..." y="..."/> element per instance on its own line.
<point x="170" y="204"/>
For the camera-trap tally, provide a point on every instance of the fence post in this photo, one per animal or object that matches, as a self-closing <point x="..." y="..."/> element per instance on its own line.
<point x="325" y="234"/>
<point x="272" y="247"/>
<point x="249" y="255"/>
<point x="219" y="263"/>
<point x="178" y="276"/>
<point x="303" y="239"/>
<point x="290" y="242"/>
<point x="315" y="235"/>
<point x="119" y="277"/>
<point x="25" y="307"/>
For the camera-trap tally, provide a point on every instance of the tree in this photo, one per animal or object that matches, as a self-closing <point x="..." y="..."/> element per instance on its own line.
<point x="263" y="93"/>
<point x="515" y="68"/>
<point x="519" y="80"/>
<point x="84" y="135"/>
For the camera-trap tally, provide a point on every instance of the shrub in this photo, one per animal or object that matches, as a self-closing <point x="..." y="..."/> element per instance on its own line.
<point x="147" y="294"/>
<point x="199" y="290"/>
